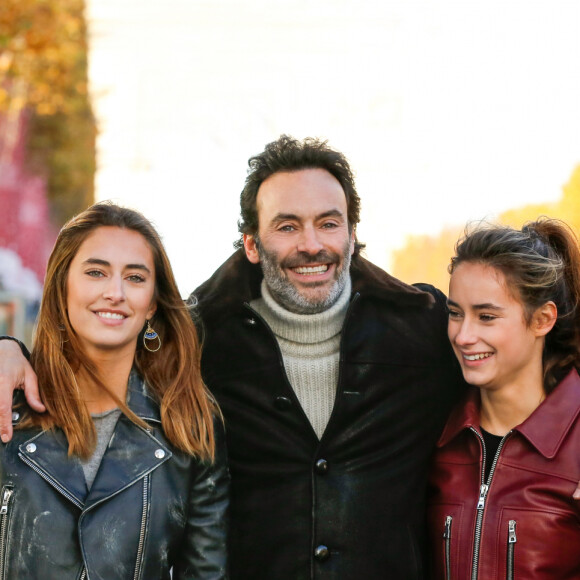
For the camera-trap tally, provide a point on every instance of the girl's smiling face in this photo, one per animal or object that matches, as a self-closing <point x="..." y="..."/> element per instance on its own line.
<point x="110" y="290"/>
<point x="494" y="343"/>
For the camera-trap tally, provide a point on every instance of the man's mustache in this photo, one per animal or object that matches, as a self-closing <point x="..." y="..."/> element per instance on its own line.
<point x="305" y="259"/>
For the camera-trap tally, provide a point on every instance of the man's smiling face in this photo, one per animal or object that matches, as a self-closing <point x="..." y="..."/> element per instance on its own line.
<point x="303" y="244"/>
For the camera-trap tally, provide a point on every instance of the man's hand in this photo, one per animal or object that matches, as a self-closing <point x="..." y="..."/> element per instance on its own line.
<point x="15" y="373"/>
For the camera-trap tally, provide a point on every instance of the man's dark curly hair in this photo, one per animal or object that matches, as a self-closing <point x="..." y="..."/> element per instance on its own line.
<point x="289" y="154"/>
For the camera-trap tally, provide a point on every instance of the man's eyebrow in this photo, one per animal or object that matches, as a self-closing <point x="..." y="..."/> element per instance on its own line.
<point x="483" y="306"/>
<point x="280" y="217"/>
<point x="99" y="262"/>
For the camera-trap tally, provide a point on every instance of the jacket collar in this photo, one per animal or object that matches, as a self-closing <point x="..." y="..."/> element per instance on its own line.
<point x="546" y="428"/>
<point x="238" y="281"/>
<point x="132" y="453"/>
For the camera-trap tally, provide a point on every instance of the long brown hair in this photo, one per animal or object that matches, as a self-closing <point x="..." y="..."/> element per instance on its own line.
<point x="541" y="263"/>
<point x="172" y="375"/>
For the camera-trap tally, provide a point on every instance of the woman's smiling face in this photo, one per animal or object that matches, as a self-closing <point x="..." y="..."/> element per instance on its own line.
<point x="111" y="289"/>
<point x="487" y="327"/>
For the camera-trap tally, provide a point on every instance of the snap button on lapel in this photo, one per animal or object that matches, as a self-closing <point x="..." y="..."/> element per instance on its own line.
<point x="160" y="454"/>
<point x="31" y="448"/>
<point x="15" y="416"/>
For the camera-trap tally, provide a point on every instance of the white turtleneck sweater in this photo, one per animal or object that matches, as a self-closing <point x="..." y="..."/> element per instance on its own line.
<point x="310" y="346"/>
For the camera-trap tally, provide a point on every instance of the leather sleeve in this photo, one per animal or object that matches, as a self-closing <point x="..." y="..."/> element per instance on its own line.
<point x="204" y="551"/>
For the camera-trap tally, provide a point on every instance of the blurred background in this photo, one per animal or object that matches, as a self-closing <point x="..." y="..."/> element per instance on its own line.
<point x="449" y="111"/>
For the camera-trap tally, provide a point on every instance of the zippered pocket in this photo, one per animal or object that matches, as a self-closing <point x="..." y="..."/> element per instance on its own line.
<point x="511" y="548"/>
<point x="5" y="504"/>
<point x="447" y="547"/>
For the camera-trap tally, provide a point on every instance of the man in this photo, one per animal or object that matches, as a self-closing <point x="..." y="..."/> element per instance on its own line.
<point x="334" y="379"/>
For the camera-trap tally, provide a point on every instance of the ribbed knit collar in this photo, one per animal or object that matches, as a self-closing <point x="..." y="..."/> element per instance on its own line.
<point x="303" y="328"/>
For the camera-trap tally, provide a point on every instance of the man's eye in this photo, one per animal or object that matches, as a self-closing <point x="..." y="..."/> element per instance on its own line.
<point x="330" y="225"/>
<point x="286" y="228"/>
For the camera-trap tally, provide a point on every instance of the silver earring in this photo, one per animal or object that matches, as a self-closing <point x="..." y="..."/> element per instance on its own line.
<point x="150" y="334"/>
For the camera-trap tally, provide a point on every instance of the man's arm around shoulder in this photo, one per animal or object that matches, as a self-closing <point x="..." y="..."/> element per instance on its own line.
<point x="15" y="373"/>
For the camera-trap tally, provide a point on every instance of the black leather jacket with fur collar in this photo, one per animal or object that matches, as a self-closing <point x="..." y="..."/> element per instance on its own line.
<point x="150" y="509"/>
<point x="350" y="505"/>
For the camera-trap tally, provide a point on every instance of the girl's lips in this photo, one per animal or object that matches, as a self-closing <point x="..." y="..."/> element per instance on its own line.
<point x="476" y="356"/>
<point x="108" y="314"/>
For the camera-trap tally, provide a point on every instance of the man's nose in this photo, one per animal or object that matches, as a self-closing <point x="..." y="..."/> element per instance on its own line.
<point x="309" y="241"/>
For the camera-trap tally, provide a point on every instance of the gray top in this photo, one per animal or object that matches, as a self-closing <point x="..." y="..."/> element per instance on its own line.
<point x="105" y="425"/>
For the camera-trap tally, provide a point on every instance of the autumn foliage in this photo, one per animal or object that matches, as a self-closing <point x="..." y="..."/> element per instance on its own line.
<point x="425" y="258"/>
<point x="43" y="69"/>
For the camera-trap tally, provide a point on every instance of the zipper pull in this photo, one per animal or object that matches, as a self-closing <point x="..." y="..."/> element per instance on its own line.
<point x="512" y="532"/>
<point x="447" y="532"/>
<point x="5" y="499"/>
<point x="482" y="493"/>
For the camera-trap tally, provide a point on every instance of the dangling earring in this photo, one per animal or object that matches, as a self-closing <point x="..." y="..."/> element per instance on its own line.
<point x="150" y="334"/>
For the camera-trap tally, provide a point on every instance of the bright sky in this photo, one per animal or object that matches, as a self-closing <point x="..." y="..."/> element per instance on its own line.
<point x="448" y="110"/>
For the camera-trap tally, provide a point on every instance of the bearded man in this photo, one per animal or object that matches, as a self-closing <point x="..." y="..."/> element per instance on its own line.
<point x="334" y="379"/>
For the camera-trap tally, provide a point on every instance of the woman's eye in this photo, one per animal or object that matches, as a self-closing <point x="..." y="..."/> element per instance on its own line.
<point x="487" y="317"/>
<point x="94" y="273"/>
<point x="453" y="313"/>
<point x="136" y="278"/>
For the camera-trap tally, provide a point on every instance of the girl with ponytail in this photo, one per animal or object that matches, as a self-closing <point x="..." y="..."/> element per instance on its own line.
<point x="507" y="463"/>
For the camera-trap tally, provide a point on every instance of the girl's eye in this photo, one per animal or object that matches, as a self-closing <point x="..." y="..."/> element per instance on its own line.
<point x="136" y="278"/>
<point x="94" y="273"/>
<point x="453" y="313"/>
<point x="487" y="317"/>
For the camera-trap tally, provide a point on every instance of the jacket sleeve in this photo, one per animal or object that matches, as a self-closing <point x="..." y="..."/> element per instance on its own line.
<point x="203" y="554"/>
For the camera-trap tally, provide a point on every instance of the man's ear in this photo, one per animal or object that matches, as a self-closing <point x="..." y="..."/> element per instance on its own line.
<point x="544" y="318"/>
<point x="251" y="248"/>
<point x="352" y="241"/>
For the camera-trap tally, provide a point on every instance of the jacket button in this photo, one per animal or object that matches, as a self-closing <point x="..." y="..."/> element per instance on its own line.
<point x="160" y="454"/>
<point x="15" y="416"/>
<point x="250" y="321"/>
<point x="321" y="553"/>
<point x="283" y="403"/>
<point x="321" y="466"/>
<point x="31" y="448"/>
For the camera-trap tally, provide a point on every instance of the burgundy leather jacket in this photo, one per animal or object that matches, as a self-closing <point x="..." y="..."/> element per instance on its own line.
<point x="522" y="522"/>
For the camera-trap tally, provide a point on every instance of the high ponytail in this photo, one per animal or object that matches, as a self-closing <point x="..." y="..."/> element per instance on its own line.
<point x="541" y="263"/>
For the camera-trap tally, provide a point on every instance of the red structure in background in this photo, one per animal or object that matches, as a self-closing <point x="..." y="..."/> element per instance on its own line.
<point x="25" y="226"/>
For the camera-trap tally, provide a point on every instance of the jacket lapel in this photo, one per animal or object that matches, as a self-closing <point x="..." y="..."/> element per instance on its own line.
<point x="132" y="453"/>
<point x="47" y="454"/>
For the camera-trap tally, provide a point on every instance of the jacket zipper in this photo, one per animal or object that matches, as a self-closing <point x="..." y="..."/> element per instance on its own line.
<point x="447" y="538"/>
<point x="483" y="490"/>
<point x="83" y="574"/>
<point x="139" y="562"/>
<point x="7" y="492"/>
<point x="511" y="549"/>
<point x="52" y="481"/>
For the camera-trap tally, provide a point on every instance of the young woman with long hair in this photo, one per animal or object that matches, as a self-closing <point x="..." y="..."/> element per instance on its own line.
<point x="508" y="461"/>
<point x="125" y="475"/>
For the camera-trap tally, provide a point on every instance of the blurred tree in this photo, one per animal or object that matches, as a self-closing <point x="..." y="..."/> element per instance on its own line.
<point x="425" y="258"/>
<point x="43" y="68"/>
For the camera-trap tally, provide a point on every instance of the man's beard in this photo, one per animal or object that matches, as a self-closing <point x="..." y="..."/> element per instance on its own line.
<point x="287" y="295"/>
